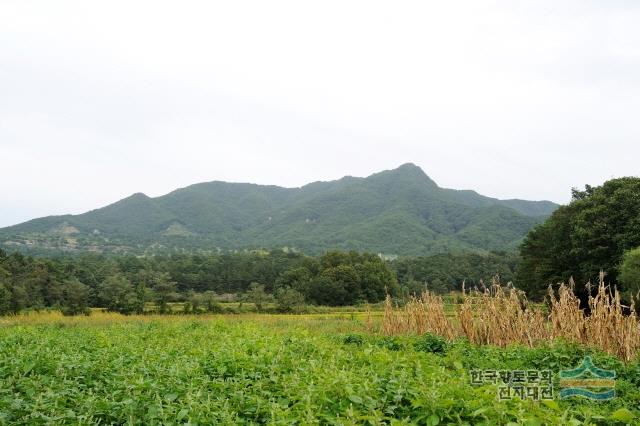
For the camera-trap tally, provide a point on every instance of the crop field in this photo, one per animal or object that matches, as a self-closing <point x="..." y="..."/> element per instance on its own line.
<point x="275" y="369"/>
<point x="502" y="316"/>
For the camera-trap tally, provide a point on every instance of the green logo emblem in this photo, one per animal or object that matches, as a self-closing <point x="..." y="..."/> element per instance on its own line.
<point x="588" y="381"/>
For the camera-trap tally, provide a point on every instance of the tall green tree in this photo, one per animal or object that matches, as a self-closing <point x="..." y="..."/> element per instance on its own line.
<point x="590" y="234"/>
<point x="630" y="272"/>
<point x="19" y="298"/>
<point x="346" y="285"/>
<point x="326" y="291"/>
<point x="116" y="294"/>
<point x="297" y="278"/>
<point x="5" y="299"/>
<point x="164" y="290"/>
<point x="76" y="298"/>
<point x="141" y="296"/>
<point x="376" y="280"/>
<point x="5" y="292"/>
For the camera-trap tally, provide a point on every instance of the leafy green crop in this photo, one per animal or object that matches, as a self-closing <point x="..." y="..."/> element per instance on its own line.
<point x="271" y="370"/>
<point x="431" y="343"/>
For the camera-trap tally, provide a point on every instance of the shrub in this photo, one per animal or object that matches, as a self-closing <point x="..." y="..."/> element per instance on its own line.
<point x="353" y="339"/>
<point x="432" y="344"/>
<point x="390" y="343"/>
<point x="288" y="299"/>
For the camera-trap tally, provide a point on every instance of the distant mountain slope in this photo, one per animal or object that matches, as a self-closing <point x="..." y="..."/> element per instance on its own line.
<point x="400" y="211"/>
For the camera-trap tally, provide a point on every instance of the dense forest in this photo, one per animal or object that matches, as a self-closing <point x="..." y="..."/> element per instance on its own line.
<point x="128" y="283"/>
<point x="598" y="231"/>
<point x="444" y="273"/>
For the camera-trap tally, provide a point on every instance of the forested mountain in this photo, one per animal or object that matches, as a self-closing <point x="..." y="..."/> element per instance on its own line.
<point x="396" y="212"/>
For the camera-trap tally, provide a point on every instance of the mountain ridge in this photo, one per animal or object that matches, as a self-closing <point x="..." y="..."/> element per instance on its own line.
<point x="401" y="211"/>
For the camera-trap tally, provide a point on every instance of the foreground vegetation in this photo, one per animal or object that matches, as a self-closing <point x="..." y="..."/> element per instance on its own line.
<point x="272" y="369"/>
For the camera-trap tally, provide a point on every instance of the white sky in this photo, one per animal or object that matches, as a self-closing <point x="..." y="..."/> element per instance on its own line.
<point x="99" y="100"/>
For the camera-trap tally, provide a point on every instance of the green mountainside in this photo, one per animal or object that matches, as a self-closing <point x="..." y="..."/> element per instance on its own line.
<point x="395" y="212"/>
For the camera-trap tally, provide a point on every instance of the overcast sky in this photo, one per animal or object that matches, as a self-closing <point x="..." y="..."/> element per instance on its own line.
<point x="99" y="100"/>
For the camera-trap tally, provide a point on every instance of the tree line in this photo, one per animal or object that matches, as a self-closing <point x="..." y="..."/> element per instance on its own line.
<point x="444" y="273"/>
<point x="131" y="284"/>
<point x="127" y="283"/>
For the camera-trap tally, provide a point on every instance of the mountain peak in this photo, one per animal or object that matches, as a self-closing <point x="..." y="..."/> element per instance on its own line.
<point x="407" y="172"/>
<point x="408" y="166"/>
<point x="139" y="195"/>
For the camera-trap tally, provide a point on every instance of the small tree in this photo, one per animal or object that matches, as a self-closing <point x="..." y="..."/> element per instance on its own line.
<point x="164" y="292"/>
<point x="192" y="302"/>
<point x="19" y="298"/>
<point x="116" y="293"/>
<point x="5" y="299"/>
<point x="5" y="291"/>
<point x="257" y="295"/>
<point x="75" y="298"/>
<point x="629" y="272"/>
<point x="197" y="300"/>
<point x="54" y="293"/>
<point x="288" y="299"/>
<point x="141" y="295"/>
<point x="211" y="303"/>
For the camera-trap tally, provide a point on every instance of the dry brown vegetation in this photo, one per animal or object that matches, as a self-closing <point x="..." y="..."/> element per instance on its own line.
<point x="502" y="315"/>
<point x="425" y="314"/>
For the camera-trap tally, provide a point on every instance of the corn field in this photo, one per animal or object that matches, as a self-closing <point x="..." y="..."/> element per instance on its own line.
<point x="501" y="315"/>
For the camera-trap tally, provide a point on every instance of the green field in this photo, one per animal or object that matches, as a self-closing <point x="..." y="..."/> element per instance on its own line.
<point x="271" y="369"/>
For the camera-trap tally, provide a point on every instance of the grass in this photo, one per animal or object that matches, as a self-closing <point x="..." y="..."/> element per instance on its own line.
<point x="272" y="369"/>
